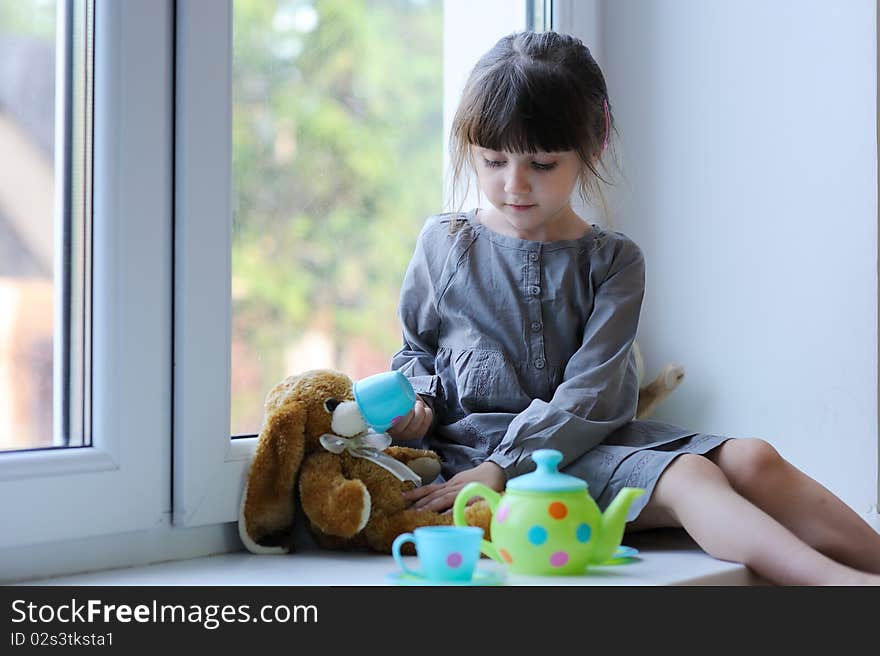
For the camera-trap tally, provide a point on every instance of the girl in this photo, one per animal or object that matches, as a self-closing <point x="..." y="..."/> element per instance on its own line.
<point x="518" y="325"/>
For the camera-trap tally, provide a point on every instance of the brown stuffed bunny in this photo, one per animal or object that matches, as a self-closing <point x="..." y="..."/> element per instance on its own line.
<point x="350" y="482"/>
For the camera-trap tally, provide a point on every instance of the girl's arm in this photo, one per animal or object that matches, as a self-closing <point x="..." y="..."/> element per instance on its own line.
<point x="419" y="322"/>
<point x="599" y="392"/>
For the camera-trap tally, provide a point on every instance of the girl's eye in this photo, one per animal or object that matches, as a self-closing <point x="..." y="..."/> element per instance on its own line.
<point x="538" y="166"/>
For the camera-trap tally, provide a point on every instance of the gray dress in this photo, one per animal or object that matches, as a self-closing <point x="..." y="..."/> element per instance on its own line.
<point x="522" y="345"/>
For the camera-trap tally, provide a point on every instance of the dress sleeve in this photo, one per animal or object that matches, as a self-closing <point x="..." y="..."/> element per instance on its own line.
<point x="419" y="322"/>
<point x="599" y="391"/>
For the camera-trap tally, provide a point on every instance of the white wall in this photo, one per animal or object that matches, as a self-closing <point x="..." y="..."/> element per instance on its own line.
<point x="749" y="145"/>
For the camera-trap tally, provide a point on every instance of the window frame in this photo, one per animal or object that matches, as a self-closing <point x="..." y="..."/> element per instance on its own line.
<point x="210" y="468"/>
<point x="120" y="483"/>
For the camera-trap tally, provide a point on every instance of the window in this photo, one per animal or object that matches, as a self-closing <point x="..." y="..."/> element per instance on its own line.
<point x="335" y="149"/>
<point x="112" y="354"/>
<point x="337" y="158"/>
<point x="27" y="228"/>
<point x="147" y="306"/>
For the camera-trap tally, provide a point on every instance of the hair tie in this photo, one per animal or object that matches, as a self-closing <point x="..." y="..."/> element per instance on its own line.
<point x="607" y="124"/>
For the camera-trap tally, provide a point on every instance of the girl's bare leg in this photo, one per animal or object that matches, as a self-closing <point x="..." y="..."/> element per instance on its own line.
<point x="805" y="507"/>
<point x="695" y="494"/>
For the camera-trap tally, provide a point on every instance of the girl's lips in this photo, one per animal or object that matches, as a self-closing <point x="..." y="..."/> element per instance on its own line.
<point x="521" y="207"/>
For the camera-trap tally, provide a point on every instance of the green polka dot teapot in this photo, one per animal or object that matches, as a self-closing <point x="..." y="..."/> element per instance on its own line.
<point x="546" y="523"/>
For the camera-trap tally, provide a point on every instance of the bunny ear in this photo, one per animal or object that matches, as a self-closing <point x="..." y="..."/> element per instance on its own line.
<point x="267" y="505"/>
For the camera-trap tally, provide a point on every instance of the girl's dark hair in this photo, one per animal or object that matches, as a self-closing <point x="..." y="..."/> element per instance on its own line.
<point x="533" y="91"/>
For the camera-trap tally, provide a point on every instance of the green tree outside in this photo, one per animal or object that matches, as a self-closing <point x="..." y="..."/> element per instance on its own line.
<point x="32" y="18"/>
<point x="337" y="160"/>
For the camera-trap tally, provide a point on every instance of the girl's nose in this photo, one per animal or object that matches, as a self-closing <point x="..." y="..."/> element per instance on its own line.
<point x="517" y="181"/>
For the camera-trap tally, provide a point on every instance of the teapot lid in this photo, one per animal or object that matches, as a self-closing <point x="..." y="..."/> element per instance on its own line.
<point x="546" y="478"/>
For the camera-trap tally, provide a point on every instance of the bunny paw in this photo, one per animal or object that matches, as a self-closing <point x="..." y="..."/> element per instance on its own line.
<point x="672" y="376"/>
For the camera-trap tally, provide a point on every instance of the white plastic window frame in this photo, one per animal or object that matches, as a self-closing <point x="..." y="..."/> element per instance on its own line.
<point x="581" y="18"/>
<point x="210" y="467"/>
<point x="122" y="481"/>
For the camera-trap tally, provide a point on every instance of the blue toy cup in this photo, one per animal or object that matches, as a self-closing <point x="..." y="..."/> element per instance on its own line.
<point x="383" y="397"/>
<point x="446" y="553"/>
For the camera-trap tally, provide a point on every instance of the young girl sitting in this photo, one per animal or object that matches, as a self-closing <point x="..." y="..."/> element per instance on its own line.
<point x="518" y="326"/>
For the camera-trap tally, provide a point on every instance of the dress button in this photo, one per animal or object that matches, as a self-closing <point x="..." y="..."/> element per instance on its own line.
<point x="535" y="290"/>
<point x="533" y="256"/>
<point x="536" y="326"/>
<point x="539" y="363"/>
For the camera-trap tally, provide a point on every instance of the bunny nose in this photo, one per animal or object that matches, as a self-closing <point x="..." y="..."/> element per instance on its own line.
<point x="347" y="420"/>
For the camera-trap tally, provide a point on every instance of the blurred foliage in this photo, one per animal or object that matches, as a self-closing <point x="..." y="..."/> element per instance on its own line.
<point x="34" y="18"/>
<point x="337" y="160"/>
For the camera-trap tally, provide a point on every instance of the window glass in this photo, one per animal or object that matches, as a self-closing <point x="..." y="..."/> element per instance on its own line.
<point x="337" y="160"/>
<point x="27" y="182"/>
<point x="46" y="63"/>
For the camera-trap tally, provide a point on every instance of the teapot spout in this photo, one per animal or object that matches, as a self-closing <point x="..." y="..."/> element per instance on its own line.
<point x="613" y="523"/>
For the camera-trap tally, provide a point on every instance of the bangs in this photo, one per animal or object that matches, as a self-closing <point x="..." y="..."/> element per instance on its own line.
<point x="528" y="113"/>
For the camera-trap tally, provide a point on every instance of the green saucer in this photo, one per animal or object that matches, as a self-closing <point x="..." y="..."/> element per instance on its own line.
<point x="481" y="577"/>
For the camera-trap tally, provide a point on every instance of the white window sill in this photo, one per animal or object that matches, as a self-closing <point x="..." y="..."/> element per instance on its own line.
<point x="666" y="557"/>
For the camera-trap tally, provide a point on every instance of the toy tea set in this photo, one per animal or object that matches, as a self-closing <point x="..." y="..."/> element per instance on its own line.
<point x="544" y="524"/>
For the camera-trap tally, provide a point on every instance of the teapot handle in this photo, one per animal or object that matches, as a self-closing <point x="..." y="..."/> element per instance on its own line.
<point x="458" y="509"/>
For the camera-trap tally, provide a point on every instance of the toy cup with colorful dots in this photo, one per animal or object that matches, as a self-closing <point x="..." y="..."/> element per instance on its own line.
<point x="445" y="553"/>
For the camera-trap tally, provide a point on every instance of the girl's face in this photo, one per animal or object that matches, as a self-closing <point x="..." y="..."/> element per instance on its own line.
<point x="529" y="192"/>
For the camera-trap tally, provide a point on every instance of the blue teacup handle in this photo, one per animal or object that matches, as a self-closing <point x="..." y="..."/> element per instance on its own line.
<point x="399" y="541"/>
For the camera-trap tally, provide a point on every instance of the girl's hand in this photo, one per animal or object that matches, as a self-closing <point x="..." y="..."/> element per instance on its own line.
<point x="440" y="497"/>
<point x="415" y="424"/>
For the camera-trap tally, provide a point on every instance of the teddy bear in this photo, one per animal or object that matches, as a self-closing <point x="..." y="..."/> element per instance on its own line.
<point x="315" y="449"/>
